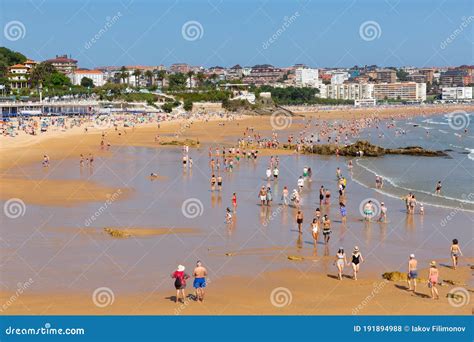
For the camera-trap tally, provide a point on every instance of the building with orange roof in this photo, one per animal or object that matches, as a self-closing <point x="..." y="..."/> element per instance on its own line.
<point x="18" y="74"/>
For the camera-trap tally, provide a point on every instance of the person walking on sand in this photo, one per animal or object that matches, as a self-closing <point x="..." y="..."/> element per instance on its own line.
<point x="340" y="262"/>
<point x="200" y="274"/>
<point x="383" y="212"/>
<point x="438" y="188"/>
<point x="285" y="196"/>
<point x="368" y="210"/>
<point x="412" y="273"/>
<point x="180" y="282"/>
<point x="433" y="280"/>
<point x="299" y="220"/>
<point x="321" y="194"/>
<point x="315" y="231"/>
<point x="213" y="182"/>
<point x="268" y="173"/>
<point x="455" y="253"/>
<point x="343" y="211"/>
<point x="262" y="194"/>
<point x="234" y="202"/>
<point x="357" y="259"/>
<point x="45" y="160"/>
<point x="326" y="229"/>
<point x="269" y="196"/>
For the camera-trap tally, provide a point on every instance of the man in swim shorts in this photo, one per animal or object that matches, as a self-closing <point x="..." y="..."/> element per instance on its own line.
<point x="412" y="272"/>
<point x="199" y="284"/>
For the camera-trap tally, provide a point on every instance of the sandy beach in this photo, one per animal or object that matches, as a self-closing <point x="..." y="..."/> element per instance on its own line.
<point x="312" y="282"/>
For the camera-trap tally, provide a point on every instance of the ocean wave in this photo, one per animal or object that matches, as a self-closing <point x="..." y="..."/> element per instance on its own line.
<point x="395" y="185"/>
<point x="433" y="122"/>
<point x="442" y="131"/>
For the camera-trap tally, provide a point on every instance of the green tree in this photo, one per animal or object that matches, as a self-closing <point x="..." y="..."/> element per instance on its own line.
<point x="402" y="75"/>
<point x="41" y="72"/>
<point x="86" y="82"/>
<point x="149" y="77"/>
<point x="177" y="81"/>
<point x="124" y="74"/>
<point x="137" y="73"/>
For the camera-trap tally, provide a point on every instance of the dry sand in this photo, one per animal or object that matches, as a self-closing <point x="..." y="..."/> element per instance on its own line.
<point x="294" y="293"/>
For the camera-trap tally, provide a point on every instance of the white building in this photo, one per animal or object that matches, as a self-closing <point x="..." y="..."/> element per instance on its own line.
<point x="350" y="91"/>
<point x="338" y="77"/>
<point x="456" y="93"/>
<point x="96" y="76"/>
<point x="306" y="77"/>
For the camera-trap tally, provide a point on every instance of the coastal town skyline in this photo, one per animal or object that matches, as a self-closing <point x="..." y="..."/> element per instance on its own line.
<point x="247" y="33"/>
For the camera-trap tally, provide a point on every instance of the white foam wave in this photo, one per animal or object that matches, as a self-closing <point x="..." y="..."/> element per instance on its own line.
<point x="391" y="182"/>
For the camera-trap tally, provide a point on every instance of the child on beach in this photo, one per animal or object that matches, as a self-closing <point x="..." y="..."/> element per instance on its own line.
<point x="45" y="160"/>
<point x="422" y="209"/>
<point x="315" y="231"/>
<point x="455" y="253"/>
<point x="285" y="196"/>
<point x="433" y="280"/>
<point x="228" y="216"/>
<point x="383" y="213"/>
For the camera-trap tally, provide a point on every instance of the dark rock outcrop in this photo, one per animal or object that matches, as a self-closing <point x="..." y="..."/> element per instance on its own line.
<point x="369" y="150"/>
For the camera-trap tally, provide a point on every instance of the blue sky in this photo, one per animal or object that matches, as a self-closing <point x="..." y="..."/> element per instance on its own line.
<point x="318" y="33"/>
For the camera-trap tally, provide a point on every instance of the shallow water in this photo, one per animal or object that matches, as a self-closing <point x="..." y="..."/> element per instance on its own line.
<point x="59" y="249"/>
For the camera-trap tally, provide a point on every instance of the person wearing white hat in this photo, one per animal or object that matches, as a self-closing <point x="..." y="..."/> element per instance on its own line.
<point x="180" y="281"/>
<point x="357" y="259"/>
<point x="412" y="272"/>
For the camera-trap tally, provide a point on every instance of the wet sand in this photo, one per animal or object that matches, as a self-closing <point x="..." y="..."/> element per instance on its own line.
<point x="314" y="292"/>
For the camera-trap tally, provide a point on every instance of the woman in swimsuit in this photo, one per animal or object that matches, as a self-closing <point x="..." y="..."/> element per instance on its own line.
<point x="357" y="259"/>
<point x="299" y="220"/>
<point x="219" y="182"/>
<point x="315" y="231"/>
<point x="433" y="280"/>
<point x="317" y="214"/>
<point x="455" y="253"/>
<point x="340" y="262"/>
<point x="326" y="229"/>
